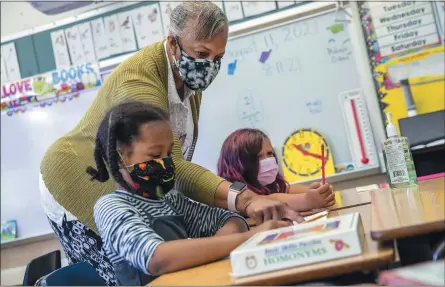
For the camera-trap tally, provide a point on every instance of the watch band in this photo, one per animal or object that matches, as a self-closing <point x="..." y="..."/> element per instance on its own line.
<point x="231" y="200"/>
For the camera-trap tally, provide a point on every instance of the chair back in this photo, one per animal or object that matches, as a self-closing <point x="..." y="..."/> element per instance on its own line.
<point x="41" y="266"/>
<point x="79" y="274"/>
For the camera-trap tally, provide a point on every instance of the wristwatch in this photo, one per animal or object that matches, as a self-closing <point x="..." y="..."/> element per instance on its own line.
<point x="235" y="189"/>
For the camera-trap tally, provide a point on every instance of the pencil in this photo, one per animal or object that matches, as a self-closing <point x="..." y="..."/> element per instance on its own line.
<point x="323" y="179"/>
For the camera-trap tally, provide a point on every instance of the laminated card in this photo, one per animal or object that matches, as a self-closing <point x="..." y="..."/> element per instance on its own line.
<point x="298" y="245"/>
<point x="11" y="62"/>
<point x="86" y="37"/>
<point x="147" y="25"/>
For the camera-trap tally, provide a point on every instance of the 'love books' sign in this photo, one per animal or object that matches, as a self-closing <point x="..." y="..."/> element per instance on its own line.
<point x="48" y="88"/>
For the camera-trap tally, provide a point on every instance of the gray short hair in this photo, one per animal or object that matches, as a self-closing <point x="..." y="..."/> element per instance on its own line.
<point x="200" y="20"/>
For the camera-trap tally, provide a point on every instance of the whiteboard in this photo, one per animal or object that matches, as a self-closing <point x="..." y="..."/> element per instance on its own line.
<point x="25" y="139"/>
<point x="289" y="76"/>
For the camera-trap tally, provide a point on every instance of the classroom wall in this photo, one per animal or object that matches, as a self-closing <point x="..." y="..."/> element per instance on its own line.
<point x="19" y="16"/>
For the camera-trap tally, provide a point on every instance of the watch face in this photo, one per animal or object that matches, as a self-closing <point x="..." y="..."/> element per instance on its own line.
<point x="238" y="186"/>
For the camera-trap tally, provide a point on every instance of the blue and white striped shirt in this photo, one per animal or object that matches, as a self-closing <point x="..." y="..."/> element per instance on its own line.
<point x="123" y="220"/>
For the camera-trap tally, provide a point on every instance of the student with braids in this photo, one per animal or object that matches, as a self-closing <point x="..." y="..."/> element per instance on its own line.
<point x="145" y="224"/>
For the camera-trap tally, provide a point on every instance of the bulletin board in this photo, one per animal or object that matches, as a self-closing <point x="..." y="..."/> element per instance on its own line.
<point x="405" y="45"/>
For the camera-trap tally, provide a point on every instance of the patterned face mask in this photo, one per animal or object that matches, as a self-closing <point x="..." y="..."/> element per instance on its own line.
<point x="154" y="178"/>
<point x="197" y="74"/>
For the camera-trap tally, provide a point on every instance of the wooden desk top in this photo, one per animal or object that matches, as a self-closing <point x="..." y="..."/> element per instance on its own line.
<point x="409" y="211"/>
<point x="217" y="273"/>
<point x="344" y="199"/>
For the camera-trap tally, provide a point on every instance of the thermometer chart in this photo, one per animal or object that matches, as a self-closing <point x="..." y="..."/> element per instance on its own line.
<point x="358" y="129"/>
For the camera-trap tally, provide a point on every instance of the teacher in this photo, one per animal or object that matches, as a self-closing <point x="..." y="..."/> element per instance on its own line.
<point x="170" y="74"/>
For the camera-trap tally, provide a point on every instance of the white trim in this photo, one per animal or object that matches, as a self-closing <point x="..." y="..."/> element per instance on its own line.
<point x="27" y="240"/>
<point x="280" y="18"/>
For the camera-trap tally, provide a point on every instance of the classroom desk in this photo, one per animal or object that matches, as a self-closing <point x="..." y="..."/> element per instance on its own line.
<point x="344" y="199"/>
<point x="411" y="216"/>
<point x="375" y="255"/>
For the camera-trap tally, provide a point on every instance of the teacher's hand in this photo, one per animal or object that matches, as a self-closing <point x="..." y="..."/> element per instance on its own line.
<point x="260" y="208"/>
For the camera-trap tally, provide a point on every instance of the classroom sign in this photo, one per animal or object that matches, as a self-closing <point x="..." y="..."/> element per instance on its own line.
<point x="405" y="50"/>
<point x="52" y="87"/>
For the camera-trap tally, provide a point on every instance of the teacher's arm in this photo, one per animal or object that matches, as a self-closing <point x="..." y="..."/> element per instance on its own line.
<point x="195" y="181"/>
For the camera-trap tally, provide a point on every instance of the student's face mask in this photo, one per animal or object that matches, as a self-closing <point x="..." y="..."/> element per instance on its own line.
<point x="197" y="74"/>
<point x="154" y="178"/>
<point x="268" y="171"/>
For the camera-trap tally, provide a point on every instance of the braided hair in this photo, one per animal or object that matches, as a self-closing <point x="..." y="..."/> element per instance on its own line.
<point x="120" y="126"/>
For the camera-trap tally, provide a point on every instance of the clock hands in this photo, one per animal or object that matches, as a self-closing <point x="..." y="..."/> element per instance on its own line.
<point x="305" y="152"/>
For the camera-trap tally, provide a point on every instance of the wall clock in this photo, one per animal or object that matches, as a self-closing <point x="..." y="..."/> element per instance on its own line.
<point x="301" y="155"/>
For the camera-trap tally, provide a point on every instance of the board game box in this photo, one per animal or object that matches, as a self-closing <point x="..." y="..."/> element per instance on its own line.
<point x="298" y="245"/>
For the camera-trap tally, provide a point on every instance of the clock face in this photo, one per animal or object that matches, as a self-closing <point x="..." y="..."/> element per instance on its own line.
<point x="301" y="154"/>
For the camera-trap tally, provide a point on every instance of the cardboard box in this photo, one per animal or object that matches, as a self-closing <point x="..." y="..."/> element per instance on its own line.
<point x="297" y="245"/>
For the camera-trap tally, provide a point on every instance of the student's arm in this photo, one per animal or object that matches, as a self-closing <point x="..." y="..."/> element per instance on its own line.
<point x="298" y="202"/>
<point x="316" y="196"/>
<point x="181" y="254"/>
<point x="124" y="232"/>
<point x="297" y="188"/>
<point x="202" y="220"/>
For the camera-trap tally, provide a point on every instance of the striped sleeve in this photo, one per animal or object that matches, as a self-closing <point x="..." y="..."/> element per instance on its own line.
<point x="200" y="219"/>
<point x="124" y="232"/>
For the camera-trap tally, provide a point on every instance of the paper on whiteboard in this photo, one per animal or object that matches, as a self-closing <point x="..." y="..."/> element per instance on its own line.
<point x="166" y="10"/>
<point x="3" y="72"/>
<point x="11" y="62"/>
<point x="74" y="45"/>
<point x="86" y="38"/>
<point x="254" y="8"/>
<point x="114" y="37"/>
<point x="126" y="31"/>
<point x="147" y="25"/>
<point x="100" y="39"/>
<point x="234" y="11"/>
<point x="60" y="49"/>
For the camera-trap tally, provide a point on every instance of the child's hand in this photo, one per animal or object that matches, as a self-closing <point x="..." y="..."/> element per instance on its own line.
<point x="320" y="196"/>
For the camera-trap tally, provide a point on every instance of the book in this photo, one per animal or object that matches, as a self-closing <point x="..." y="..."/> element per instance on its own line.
<point x="424" y="274"/>
<point x="298" y="245"/>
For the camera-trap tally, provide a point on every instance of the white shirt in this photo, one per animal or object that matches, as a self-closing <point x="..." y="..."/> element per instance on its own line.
<point x="182" y="123"/>
<point x="180" y="113"/>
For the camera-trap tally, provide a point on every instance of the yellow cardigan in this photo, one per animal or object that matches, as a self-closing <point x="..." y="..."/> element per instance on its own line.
<point x="143" y="77"/>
